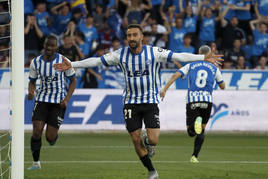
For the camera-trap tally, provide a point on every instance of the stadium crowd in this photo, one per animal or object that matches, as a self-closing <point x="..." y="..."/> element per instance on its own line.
<point x="85" y="28"/>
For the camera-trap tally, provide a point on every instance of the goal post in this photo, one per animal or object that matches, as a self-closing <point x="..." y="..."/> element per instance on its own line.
<point x="17" y="68"/>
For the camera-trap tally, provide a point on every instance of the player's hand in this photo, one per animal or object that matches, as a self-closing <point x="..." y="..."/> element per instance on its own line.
<point x="30" y="96"/>
<point x="65" y="65"/>
<point x="162" y="94"/>
<point x="215" y="59"/>
<point x="63" y="103"/>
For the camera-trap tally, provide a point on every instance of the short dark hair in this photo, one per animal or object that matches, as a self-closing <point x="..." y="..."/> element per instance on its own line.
<point x="52" y="37"/>
<point x="131" y="26"/>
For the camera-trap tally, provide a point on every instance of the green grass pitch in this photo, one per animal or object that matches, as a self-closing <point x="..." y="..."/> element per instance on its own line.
<point x="112" y="156"/>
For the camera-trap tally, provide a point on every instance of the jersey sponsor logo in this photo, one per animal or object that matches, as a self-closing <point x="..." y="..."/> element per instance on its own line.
<point x="137" y="73"/>
<point x="49" y="79"/>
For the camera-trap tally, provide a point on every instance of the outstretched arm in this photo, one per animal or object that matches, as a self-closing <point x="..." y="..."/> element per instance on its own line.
<point x="88" y="62"/>
<point x="173" y="78"/>
<point x="188" y="57"/>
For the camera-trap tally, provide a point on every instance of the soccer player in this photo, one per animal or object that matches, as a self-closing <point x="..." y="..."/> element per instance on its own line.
<point x="199" y="99"/>
<point x="141" y="67"/>
<point x="51" y="97"/>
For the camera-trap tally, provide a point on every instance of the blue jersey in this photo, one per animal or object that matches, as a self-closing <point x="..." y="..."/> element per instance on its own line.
<point x="262" y="7"/>
<point x="207" y="32"/>
<point x="141" y="72"/>
<point x="260" y="43"/>
<point x="52" y="83"/>
<point x="189" y="24"/>
<point x="176" y="39"/>
<point x="241" y="14"/>
<point x="41" y="19"/>
<point x="201" y="76"/>
<point x="90" y="33"/>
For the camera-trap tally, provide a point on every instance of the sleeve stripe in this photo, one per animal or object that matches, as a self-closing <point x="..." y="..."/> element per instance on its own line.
<point x="182" y="74"/>
<point x="220" y="82"/>
<point x="169" y="56"/>
<point x="73" y="75"/>
<point x="104" y="61"/>
<point x="32" y="79"/>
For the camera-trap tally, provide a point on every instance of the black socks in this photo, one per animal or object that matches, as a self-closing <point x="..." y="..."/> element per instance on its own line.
<point x="35" y="147"/>
<point x="147" y="162"/>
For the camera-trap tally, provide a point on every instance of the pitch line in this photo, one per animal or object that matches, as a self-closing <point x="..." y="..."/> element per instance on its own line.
<point x="159" y="147"/>
<point x="157" y="161"/>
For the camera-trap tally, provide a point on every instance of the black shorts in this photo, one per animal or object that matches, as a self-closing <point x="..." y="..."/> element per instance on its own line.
<point x="193" y="110"/>
<point x="135" y="113"/>
<point x="51" y="113"/>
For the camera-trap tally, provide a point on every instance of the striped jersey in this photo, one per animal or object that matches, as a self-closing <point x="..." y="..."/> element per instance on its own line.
<point x="141" y="72"/>
<point x="202" y="76"/>
<point x="52" y="82"/>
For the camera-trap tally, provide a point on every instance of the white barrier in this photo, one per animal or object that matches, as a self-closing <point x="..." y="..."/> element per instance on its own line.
<point x="102" y="110"/>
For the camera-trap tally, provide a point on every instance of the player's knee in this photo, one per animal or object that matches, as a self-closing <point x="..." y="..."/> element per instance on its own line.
<point x="190" y="132"/>
<point x="37" y="134"/>
<point x="152" y="140"/>
<point x="51" y="140"/>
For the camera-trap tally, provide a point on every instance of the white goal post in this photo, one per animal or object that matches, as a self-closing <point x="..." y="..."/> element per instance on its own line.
<point x="17" y="68"/>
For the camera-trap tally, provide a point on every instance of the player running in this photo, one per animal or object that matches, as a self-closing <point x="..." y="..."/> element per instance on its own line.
<point x="51" y="97"/>
<point x="202" y="76"/>
<point x="141" y="67"/>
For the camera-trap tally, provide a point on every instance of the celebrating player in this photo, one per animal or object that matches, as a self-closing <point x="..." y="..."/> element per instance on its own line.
<point x="51" y="97"/>
<point x="141" y="68"/>
<point x="199" y="99"/>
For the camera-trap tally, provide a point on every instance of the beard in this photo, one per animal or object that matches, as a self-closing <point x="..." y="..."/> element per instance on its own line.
<point x="134" y="44"/>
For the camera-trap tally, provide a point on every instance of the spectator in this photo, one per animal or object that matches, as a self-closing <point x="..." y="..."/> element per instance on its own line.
<point x="186" y="47"/>
<point x="261" y="7"/>
<point x="28" y="7"/>
<point x="106" y="35"/>
<point x="91" y="75"/>
<point x="89" y="31"/>
<point x="231" y="31"/>
<point x="189" y="21"/>
<point x="80" y="41"/>
<point x="42" y="18"/>
<point x="235" y="52"/>
<point x="77" y="16"/>
<point x="260" y="40"/>
<point x="176" y="35"/>
<point x="241" y="63"/>
<point x="68" y="49"/>
<point x="61" y="16"/>
<point x="135" y="11"/>
<point x="262" y="65"/>
<point x="32" y="36"/>
<point x="99" y="17"/>
<point x="179" y="5"/>
<point x="207" y="26"/>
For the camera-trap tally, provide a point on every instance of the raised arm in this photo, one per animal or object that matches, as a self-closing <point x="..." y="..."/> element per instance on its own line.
<point x="257" y="11"/>
<point x="253" y="23"/>
<point x="222" y="15"/>
<point x="173" y="78"/>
